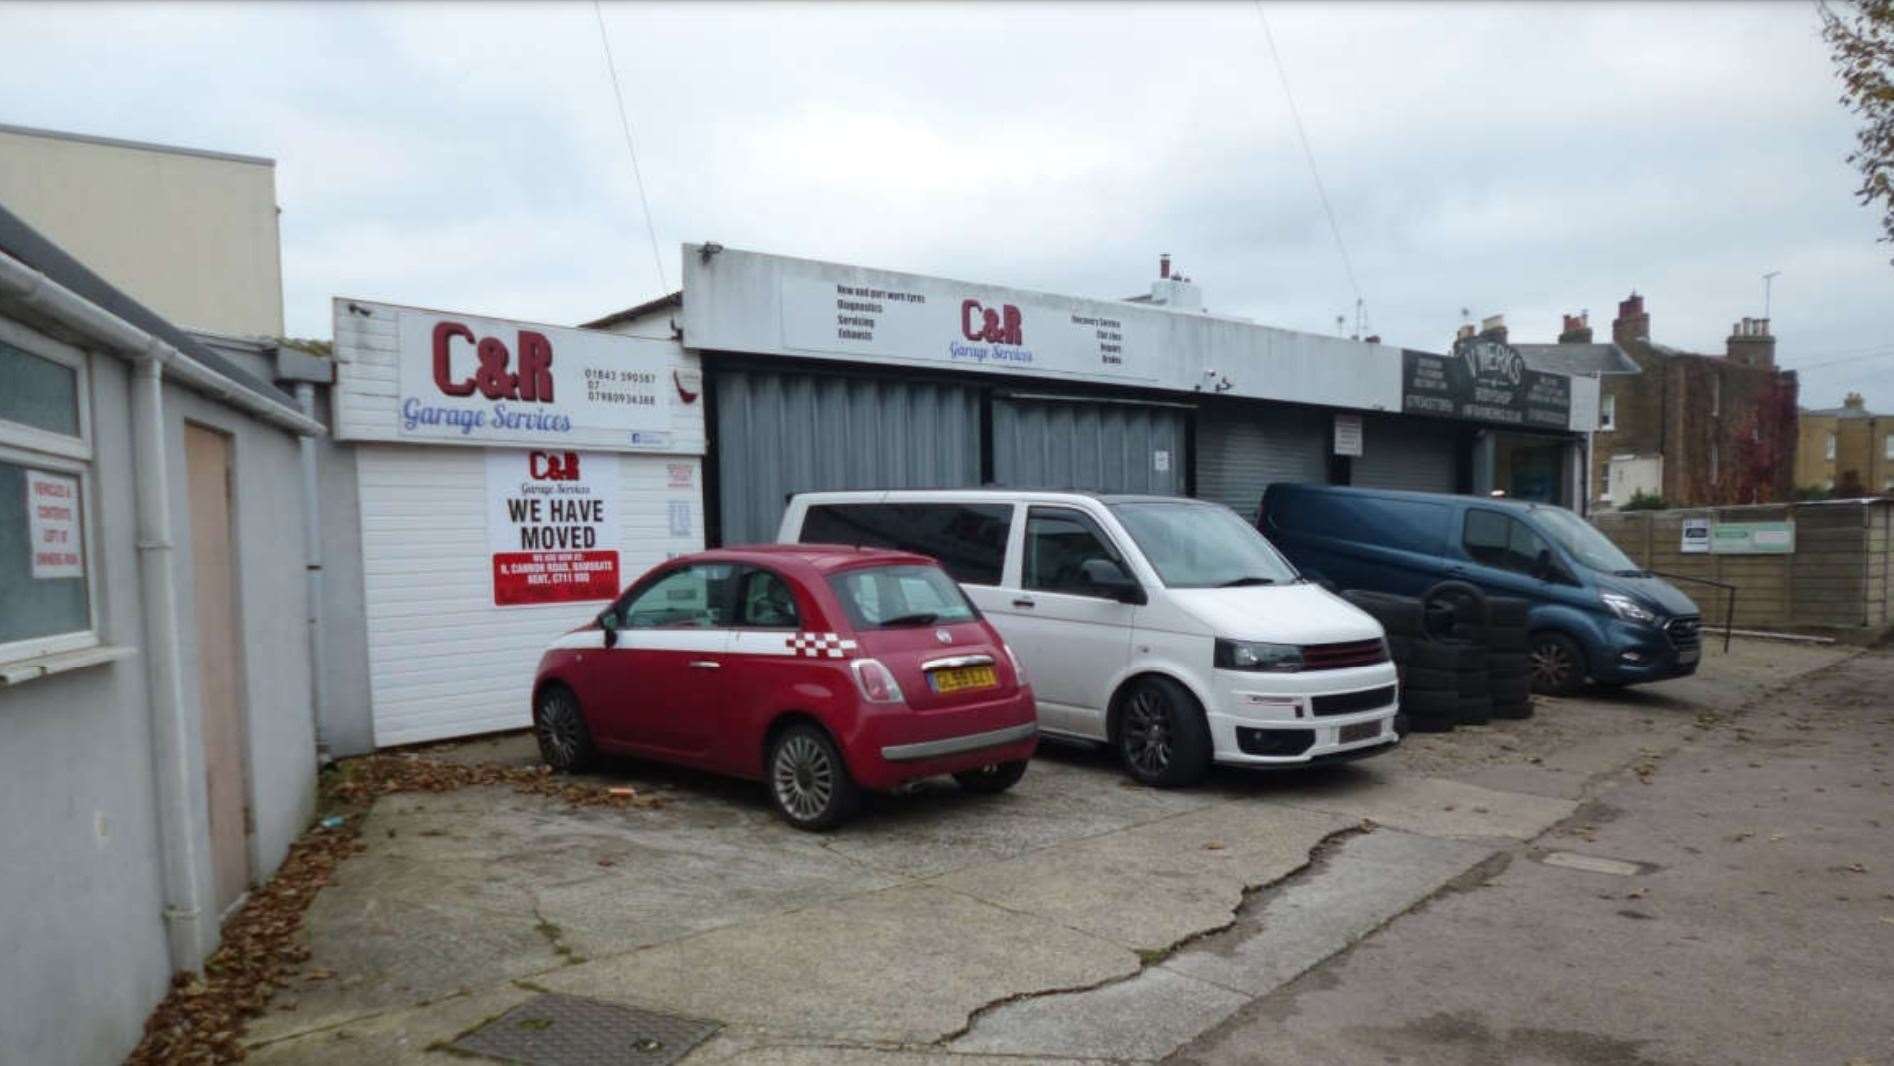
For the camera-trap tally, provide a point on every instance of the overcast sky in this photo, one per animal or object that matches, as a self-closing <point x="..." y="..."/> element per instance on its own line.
<point x="1524" y="159"/>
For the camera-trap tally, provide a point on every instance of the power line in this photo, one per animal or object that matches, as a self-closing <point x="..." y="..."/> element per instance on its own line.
<point x="1882" y="354"/>
<point x="1321" y="191"/>
<point x="624" y="122"/>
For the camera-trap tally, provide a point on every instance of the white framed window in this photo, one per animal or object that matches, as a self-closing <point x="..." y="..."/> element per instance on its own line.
<point x="1608" y="414"/>
<point x="1715" y="471"/>
<point x="48" y="580"/>
<point x="1829" y="449"/>
<point x="1887" y="446"/>
<point x="1716" y="395"/>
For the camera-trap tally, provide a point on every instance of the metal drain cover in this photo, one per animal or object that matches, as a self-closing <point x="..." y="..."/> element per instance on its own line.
<point x="570" y="1031"/>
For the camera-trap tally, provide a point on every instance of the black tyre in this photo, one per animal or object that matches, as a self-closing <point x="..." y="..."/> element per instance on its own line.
<point x="1508" y="639"/>
<point x="1452" y="604"/>
<point x="993" y="777"/>
<point x="1508" y="665"/>
<point x="1162" y="737"/>
<point x="1400" y="616"/>
<point x="1435" y="656"/>
<point x="1515" y="711"/>
<point x="1475" y="710"/>
<point x="808" y="782"/>
<point x="1558" y="664"/>
<point x="565" y="741"/>
<point x="1511" y="690"/>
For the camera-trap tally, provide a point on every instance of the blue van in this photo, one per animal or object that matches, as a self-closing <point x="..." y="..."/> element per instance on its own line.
<point x="1594" y="613"/>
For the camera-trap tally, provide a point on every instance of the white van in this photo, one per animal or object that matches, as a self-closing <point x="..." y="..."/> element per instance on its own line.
<point x="1165" y="627"/>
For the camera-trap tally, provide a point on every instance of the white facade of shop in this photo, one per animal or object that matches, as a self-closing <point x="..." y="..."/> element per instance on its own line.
<point x="451" y="433"/>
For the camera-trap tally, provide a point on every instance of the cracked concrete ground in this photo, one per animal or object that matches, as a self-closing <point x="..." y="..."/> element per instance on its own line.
<point x="1075" y="918"/>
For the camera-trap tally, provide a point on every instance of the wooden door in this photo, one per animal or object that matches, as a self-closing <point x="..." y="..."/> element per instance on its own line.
<point x="207" y="462"/>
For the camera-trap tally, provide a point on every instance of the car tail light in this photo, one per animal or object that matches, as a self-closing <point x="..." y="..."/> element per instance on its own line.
<point x="1019" y="672"/>
<point x="877" y="685"/>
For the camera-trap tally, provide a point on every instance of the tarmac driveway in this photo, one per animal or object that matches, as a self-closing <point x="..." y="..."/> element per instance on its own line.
<point x="1077" y="916"/>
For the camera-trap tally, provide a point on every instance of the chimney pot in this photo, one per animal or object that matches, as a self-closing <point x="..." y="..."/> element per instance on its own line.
<point x="1164" y="265"/>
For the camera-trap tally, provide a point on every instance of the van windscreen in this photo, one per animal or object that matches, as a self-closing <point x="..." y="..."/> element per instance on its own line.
<point x="1195" y="545"/>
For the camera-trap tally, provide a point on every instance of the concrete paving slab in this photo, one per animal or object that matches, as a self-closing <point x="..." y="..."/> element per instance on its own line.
<point x="1065" y="795"/>
<point x="1154" y="885"/>
<point x="906" y="965"/>
<point x="392" y="1038"/>
<point x="727" y="1050"/>
<point x="1435" y="806"/>
<point x="1142" y="1020"/>
<point x="1354" y="890"/>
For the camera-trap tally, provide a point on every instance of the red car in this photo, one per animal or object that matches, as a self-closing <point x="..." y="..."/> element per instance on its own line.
<point x="822" y="670"/>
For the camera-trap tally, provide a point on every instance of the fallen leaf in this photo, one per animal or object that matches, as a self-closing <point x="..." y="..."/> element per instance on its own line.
<point x="1214" y="845"/>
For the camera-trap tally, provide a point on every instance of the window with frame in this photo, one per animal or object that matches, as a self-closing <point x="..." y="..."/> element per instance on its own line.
<point x="1058" y="545"/>
<point x="1608" y="414"/>
<point x="768" y="603"/>
<point x="47" y="596"/>
<point x="690" y="597"/>
<point x="1829" y="449"/>
<point x="1503" y="541"/>
<point x="1887" y="446"/>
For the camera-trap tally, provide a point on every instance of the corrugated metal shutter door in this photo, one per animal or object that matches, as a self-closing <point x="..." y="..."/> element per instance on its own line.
<point x="443" y="661"/>
<point x="1242" y="450"/>
<point x="783" y="433"/>
<point x="1406" y="454"/>
<point x="1108" y="447"/>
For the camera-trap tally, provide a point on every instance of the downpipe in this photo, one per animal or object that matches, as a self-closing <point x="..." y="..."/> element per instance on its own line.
<point x="178" y="830"/>
<point x="312" y="570"/>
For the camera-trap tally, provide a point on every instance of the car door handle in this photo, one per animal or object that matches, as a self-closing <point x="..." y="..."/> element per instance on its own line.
<point x="704" y="664"/>
<point x="1023" y="603"/>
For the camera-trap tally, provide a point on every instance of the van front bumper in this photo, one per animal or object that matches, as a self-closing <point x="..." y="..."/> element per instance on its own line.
<point x="1278" y="720"/>
<point x="1634" y="654"/>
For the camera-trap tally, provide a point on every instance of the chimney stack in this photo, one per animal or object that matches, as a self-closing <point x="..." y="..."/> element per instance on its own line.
<point x="1751" y="344"/>
<point x="1577" y="329"/>
<point x="1855" y="402"/>
<point x="1164" y="265"/>
<point x="1493" y="327"/>
<point x="1633" y="322"/>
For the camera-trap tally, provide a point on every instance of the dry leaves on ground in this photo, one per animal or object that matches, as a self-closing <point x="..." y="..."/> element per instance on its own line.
<point x="201" y="1021"/>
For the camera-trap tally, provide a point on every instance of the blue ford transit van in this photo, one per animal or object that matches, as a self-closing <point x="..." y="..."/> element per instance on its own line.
<point x="1595" y="614"/>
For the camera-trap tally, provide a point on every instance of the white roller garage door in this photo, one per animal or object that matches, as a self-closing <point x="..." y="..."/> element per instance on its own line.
<point x="443" y="660"/>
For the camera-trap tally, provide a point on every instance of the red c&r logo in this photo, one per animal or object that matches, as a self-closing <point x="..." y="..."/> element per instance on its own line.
<point x="987" y="324"/>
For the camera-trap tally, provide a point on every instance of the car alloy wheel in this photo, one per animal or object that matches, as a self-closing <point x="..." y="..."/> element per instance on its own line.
<point x="1146" y="733"/>
<point x="804" y="778"/>
<point x="564" y="741"/>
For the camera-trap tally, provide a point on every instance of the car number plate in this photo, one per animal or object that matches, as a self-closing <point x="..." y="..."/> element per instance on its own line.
<point x="1688" y="656"/>
<point x="1360" y="731"/>
<point x="962" y="677"/>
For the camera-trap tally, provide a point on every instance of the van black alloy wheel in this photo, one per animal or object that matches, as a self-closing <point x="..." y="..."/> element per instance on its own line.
<point x="559" y="726"/>
<point x="1161" y="734"/>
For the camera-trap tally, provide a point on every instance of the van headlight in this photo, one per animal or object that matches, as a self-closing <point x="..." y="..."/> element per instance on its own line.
<point x="1254" y="655"/>
<point x="1627" y="608"/>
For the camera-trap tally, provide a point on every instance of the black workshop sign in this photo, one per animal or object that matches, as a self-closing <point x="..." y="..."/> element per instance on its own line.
<point x="1484" y="380"/>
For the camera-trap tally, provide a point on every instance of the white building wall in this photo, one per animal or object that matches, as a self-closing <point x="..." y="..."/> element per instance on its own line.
<point x="191" y="235"/>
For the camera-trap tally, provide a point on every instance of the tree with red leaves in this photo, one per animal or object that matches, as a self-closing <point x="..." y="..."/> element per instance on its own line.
<point x="1765" y="445"/>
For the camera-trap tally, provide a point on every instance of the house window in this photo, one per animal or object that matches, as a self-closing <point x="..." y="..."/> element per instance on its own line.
<point x="1714" y="472"/>
<point x="1887" y="446"/>
<point x="1608" y="415"/>
<point x="1829" y="451"/>
<point x="46" y="588"/>
<point x="1716" y="395"/>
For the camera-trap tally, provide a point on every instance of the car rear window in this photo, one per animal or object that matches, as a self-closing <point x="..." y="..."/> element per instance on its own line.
<point x="884" y="597"/>
<point x="969" y="539"/>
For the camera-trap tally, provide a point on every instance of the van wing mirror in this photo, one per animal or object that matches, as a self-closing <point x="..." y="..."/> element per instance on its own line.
<point x="1108" y="577"/>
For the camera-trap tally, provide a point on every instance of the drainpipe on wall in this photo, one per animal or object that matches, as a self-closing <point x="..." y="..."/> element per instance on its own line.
<point x="178" y="831"/>
<point x="312" y="568"/>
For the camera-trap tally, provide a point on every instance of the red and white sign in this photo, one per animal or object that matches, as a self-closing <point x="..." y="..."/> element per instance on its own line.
<point x="52" y="526"/>
<point x="552" y="526"/>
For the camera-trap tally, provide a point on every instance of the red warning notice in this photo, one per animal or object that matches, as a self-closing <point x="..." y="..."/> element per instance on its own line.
<point x="521" y="578"/>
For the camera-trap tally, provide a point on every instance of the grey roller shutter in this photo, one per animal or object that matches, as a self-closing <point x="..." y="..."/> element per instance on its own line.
<point x="1406" y="453"/>
<point x="780" y="433"/>
<point x="1055" y="443"/>
<point x="1243" y="449"/>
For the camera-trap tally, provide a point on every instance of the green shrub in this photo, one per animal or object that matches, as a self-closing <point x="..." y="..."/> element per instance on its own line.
<point x="1644" y="501"/>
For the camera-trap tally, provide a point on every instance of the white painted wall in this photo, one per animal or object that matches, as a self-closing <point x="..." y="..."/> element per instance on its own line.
<point x="191" y="235"/>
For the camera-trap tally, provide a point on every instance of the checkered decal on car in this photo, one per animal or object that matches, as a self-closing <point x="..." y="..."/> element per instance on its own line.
<point x="820" y="645"/>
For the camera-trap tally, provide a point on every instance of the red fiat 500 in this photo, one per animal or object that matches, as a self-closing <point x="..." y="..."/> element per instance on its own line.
<point x="822" y="670"/>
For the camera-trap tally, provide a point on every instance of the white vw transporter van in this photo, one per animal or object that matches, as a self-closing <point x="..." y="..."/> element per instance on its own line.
<point x="1165" y="627"/>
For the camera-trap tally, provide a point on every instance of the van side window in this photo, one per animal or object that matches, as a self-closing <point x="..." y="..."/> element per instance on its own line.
<point x="1058" y="545"/>
<point x="969" y="539"/>
<point x="1404" y="525"/>
<point x="1503" y="541"/>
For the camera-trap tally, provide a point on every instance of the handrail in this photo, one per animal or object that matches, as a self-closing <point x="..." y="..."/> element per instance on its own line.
<point x="1729" y="612"/>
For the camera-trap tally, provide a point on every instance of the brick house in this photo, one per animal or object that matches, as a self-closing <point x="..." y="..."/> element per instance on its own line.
<point x="1693" y="428"/>
<point x="1847" y="446"/>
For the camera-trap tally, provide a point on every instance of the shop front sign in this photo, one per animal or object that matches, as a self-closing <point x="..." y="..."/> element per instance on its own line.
<point x="552" y="526"/>
<point x="1696" y="537"/>
<point x="1752" y="538"/>
<point x="939" y="322"/>
<point x="1484" y="380"/>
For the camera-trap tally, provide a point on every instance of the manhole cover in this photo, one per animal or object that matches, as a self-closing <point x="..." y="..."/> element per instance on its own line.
<point x="570" y="1031"/>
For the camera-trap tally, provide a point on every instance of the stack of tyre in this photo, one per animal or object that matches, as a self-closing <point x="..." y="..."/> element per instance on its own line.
<point x="1443" y="676"/>
<point x="1462" y="655"/>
